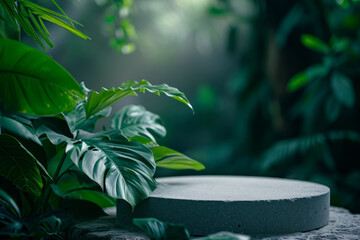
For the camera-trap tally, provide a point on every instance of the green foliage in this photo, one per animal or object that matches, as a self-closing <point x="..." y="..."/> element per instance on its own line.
<point x="168" y="158"/>
<point x="98" y="101"/>
<point x="303" y="78"/>
<point x="19" y="166"/>
<point x="73" y="185"/>
<point x="13" y="224"/>
<point x="32" y="82"/>
<point x="343" y="89"/>
<point x="136" y="121"/>
<point x="29" y="16"/>
<point x="286" y="149"/>
<point x="8" y="29"/>
<point x="118" y="25"/>
<point x="18" y="125"/>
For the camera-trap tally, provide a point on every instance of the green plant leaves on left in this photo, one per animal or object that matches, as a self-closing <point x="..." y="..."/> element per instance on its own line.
<point x="19" y="166"/>
<point x="32" y="82"/>
<point x="98" y="101"/>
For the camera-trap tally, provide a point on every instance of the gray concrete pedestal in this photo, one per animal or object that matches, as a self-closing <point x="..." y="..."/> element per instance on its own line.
<point x="249" y="205"/>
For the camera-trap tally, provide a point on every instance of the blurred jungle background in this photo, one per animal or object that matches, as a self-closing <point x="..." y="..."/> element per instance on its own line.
<point x="274" y="83"/>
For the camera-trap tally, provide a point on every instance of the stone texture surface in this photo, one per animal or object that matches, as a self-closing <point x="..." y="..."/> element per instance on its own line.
<point x="342" y="225"/>
<point x="105" y="228"/>
<point x="246" y="205"/>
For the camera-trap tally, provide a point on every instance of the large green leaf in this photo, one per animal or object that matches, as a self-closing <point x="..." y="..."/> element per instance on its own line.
<point x="98" y="101"/>
<point x="168" y="158"/>
<point x="18" y="125"/>
<point x="32" y="82"/>
<point x="123" y="169"/>
<point x="19" y="166"/>
<point x="136" y="121"/>
<point x="301" y="79"/>
<point x="162" y="230"/>
<point x="343" y="89"/>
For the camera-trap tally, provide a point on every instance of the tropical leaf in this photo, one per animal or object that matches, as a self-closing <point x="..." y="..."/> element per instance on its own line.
<point x="168" y="158"/>
<point x="7" y="28"/>
<point x="98" y="101"/>
<point x="29" y="16"/>
<point x="136" y="121"/>
<point x="32" y="82"/>
<point x="162" y="230"/>
<point x="123" y="169"/>
<point x="343" y="89"/>
<point x="5" y="199"/>
<point x="19" y="125"/>
<point x="10" y="216"/>
<point x="285" y="149"/>
<point x="72" y="186"/>
<point x="301" y="79"/>
<point x="315" y="43"/>
<point x="19" y="166"/>
<point x="76" y="119"/>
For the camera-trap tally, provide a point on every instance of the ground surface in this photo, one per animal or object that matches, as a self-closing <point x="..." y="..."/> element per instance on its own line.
<point x="342" y="225"/>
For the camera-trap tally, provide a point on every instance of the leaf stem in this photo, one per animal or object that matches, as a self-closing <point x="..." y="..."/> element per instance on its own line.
<point x="47" y="190"/>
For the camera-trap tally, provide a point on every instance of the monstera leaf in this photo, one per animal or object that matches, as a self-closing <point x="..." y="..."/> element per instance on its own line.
<point x="123" y="169"/>
<point x="136" y="121"/>
<point x="98" y="101"/>
<point x="19" y="166"/>
<point x="32" y="82"/>
<point x="162" y="230"/>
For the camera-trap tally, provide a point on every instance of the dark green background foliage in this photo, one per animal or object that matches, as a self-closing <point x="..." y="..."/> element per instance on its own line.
<point x="297" y="89"/>
<point x="298" y="94"/>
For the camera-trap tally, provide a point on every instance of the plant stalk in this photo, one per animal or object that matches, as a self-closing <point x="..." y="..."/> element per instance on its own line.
<point x="47" y="188"/>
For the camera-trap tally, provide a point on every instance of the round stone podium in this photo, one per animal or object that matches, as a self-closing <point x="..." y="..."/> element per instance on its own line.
<point x="249" y="205"/>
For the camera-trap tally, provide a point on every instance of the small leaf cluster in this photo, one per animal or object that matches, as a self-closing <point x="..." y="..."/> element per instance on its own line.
<point x="30" y="18"/>
<point x="118" y="25"/>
